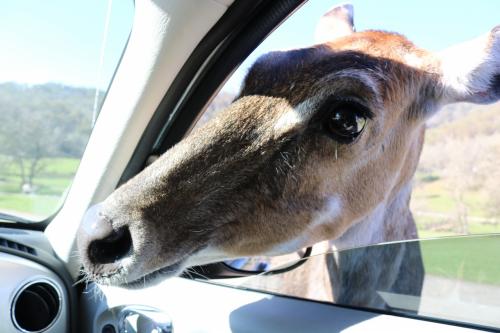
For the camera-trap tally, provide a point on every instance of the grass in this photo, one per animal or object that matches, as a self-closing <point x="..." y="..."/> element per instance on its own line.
<point x="50" y="186"/>
<point x="61" y="167"/>
<point x="432" y="196"/>
<point x="33" y="206"/>
<point x="474" y="259"/>
<point x="425" y="233"/>
<point x="435" y="197"/>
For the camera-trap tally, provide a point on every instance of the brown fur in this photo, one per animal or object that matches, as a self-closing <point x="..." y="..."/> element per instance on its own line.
<point x="246" y="184"/>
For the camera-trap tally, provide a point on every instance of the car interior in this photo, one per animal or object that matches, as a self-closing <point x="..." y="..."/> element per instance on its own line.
<point x="177" y="57"/>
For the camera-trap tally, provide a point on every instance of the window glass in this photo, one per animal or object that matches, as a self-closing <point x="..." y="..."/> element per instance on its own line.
<point x="57" y="61"/>
<point x="456" y="285"/>
<point x="456" y="186"/>
<point x="455" y="189"/>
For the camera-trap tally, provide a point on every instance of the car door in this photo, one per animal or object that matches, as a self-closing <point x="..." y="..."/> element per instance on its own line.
<point x="178" y="54"/>
<point x="222" y="307"/>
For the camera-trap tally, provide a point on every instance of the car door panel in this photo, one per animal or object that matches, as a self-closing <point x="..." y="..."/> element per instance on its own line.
<point x="197" y="306"/>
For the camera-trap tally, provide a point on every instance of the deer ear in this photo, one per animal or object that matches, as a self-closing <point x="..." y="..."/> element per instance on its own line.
<point x="337" y="22"/>
<point x="471" y="71"/>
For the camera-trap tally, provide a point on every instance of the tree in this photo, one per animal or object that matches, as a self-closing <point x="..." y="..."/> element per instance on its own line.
<point x="463" y="149"/>
<point x="491" y="183"/>
<point x="26" y="137"/>
<point x="42" y="121"/>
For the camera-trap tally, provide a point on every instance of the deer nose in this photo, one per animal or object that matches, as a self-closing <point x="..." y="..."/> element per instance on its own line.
<point x="99" y="241"/>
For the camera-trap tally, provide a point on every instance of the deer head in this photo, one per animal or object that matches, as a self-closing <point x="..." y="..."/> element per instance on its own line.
<point x="318" y="140"/>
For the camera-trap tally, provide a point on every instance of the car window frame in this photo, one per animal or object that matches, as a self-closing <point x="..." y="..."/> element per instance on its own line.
<point x="232" y="39"/>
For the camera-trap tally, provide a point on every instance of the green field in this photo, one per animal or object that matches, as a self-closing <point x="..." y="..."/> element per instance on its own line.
<point x="474" y="259"/>
<point x="50" y="186"/>
<point x="434" y="209"/>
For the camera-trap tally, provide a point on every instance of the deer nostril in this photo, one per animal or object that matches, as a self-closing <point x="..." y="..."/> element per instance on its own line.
<point x="112" y="248"/>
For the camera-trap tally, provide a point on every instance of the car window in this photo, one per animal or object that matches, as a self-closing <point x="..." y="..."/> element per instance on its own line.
<point x="57" y="63"/>
<point x="456" y="185"/>
<point x="455" y="189"/>
<point x="456" y="285"/>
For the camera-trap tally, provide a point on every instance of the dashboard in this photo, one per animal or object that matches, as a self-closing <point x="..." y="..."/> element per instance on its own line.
<point x="34" y="293"/>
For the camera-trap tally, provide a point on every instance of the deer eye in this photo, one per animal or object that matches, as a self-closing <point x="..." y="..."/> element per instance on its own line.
<point x="345" y="120"/>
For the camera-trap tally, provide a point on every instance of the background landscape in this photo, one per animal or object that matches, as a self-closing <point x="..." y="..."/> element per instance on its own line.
<point x="43" y="132"/>
<point x="44" y="129"/>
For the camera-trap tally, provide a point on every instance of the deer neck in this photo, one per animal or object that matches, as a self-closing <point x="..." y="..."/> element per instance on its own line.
<point x="391" y="220"/>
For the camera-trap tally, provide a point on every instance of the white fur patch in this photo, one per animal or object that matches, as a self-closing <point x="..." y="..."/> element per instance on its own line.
<point x="294" y="118"/>
<point x="290" y="245"/>
<point x="367" y="231"/>
<point x="370" y="229"/>
<point x="208" y="255"/>
<point x="330" y="211"/>
<point x="468" y="68"/>
<point x="297" y="117"/>
<point x="413" y="60"/>
<point x="289" y="121"/>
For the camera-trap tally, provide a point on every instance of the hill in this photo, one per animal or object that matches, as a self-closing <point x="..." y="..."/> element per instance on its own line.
<point x="39" y="115"/>
<point x="457" y="188"/>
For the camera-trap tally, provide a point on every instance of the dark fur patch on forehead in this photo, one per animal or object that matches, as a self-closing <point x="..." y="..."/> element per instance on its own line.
<point x="292" y="74"/>
<point x="274" y="68"/>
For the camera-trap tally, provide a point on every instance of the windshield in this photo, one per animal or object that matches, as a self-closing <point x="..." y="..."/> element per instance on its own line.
<point x="57" y="61"/>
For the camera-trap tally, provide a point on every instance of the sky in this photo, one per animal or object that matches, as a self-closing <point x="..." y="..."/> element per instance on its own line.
<point x="61" y="40"/>
<point x="430" y="24"/>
